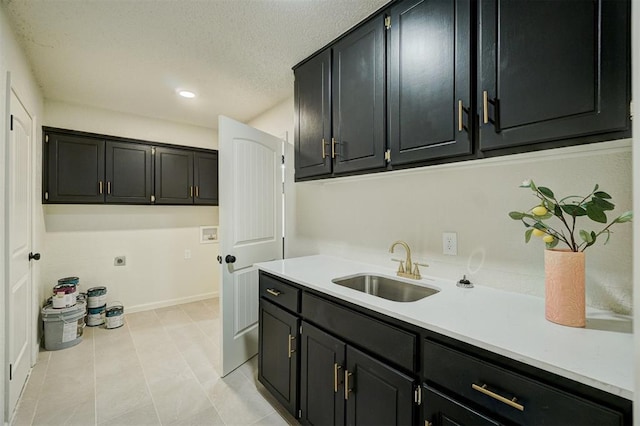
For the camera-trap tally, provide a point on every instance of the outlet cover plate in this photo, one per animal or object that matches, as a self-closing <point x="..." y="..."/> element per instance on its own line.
<point x="450" y="243"/>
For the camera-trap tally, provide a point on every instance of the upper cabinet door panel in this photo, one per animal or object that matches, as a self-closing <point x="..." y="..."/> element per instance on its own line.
<point x="358" y="87"/>
<point x="429" y="80"/>
<point x="313" y="116"/>
<point x="552" y="69"/>
<point x="76" y="169"/>
<point x="128" y="173"/>
<point x="174" y="176"/>
<point x="205" y="169"/>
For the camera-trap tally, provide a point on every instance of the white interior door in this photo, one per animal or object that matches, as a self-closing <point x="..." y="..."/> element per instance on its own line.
<point x="250" y="230"/>
<point x="18" y="249"/>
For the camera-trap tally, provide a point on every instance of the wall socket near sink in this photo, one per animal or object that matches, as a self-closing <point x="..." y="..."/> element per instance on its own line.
<point x="450" y="243"/>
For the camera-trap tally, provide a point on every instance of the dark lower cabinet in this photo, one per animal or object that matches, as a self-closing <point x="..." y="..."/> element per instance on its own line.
<point x="128" y="174"/>
<point x="322" y="362"/>
<point x="441" y="410"/>
<point x="174" y="176"/>
<point x="75" y="169"/>
<point x="278" y="354"/>
<point x="376" y="394"/>
<point x="552" y="69"/>
<point x="205" y="178"/>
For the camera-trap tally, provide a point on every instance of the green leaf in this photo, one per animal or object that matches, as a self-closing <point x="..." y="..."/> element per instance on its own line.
<point x="557" y="210"/>
<point x="596" y="214"/>
<point x="527" y="235"/>
<point x="596" y="188"/>
<point x="586" y="237"/>
<point x="625" y="217"/>
<point x="553" y="243"/>
<point x="573" y="210"/>
<point x="516" y="215"/>
<point x="540" y="225"/>
<point x="603" y="204"/>
<point x="545" y="216"/>
<point x="545" y="191"/>
<point x="601" y="194"/>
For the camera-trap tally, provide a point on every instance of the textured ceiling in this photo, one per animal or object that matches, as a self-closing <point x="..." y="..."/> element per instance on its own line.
<point x="132" y="55"/>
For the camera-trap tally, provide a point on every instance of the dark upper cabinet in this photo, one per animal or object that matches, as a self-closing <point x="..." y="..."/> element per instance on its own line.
<point x="429" y="97"/>
<point x="549" y="70"/>
<point x="128" y="174"/>
<point x="376" y="394"/>
<point x="358" y="96"/>
<point x="174" y="176"/>
<point x="278" y="353"/>
<point x="205" y="177"/>
<point x="312" y="98"/>
<point x="322" y="363"/>
<point x="75" y="169"/>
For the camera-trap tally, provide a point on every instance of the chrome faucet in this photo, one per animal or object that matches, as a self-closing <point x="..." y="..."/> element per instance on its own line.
<point x="407" y="268"/>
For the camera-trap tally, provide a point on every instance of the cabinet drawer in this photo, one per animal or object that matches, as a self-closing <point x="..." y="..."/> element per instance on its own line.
<point x="384" y="340"/>
<point x="280" y="293"/>
<point x="505" y="394"/>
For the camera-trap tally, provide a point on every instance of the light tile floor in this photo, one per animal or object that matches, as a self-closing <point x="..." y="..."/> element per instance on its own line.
<point x="160" y="368"/>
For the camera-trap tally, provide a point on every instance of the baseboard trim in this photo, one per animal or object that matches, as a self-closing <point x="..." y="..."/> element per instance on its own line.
<point x="170" y="302"/>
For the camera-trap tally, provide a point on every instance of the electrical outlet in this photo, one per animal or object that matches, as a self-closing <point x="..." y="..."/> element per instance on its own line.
<point x="450" y="243"/>
<point x="120" y="261"/>
<point x="187" y="254"/>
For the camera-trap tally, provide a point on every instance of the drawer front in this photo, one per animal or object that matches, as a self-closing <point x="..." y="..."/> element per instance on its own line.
<point x="505" y="394"/>
<point x="381" y="339"/>
<point x="280" y="293"/>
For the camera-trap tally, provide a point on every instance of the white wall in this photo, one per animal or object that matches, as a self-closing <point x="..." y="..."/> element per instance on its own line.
<point x="359" y="217"/>
<point x="82" y="240"/>
<point x="13" y="60"/>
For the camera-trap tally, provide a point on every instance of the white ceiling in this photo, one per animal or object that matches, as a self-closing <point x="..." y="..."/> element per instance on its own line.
<point x="132" y="55"/>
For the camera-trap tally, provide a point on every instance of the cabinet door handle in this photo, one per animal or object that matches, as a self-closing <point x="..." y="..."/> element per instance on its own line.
<point x="101" y="185"/>
<point x="191" y="191"/>
<point x="485" y="107"/>
<point x="109" y="187"/>
<point x="460" y="116"/>
<point x="197" y="191"/>
<point x="324" y="154"/>
<point x="291" y="350"/>
<point x="346" y="384"/>
<point x="510" y="402"/>
<point x="274" y="292"/>
<point x="336" y="367"/>
<point x="333" y="147"/>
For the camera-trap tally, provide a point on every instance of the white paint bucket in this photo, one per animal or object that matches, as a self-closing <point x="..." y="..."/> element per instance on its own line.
<point x="95" y="316"/>
<point x="114" y="316"/>
<point x="96" y="297"/>
<point x="63" y="327"/>
<point x="64" y="296"/>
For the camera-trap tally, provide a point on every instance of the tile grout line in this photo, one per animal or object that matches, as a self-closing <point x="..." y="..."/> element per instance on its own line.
<point x="46" y="371"/>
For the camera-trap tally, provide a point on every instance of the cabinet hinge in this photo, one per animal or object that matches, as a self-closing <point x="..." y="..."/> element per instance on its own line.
<point x="11" y="121"/>
<point x="153" y="151"/>
<point x="10" y="371"/>
<point x="387" y="156"/>
<point x="46" y="139"/>
<point x="418" y="395"/>
<point x="153" y="198"/>
<point x="387" y="22"/>
<point x="46" y="195"/>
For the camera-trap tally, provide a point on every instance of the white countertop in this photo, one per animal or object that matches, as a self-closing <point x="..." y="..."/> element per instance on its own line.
<point x="509" y="324"/>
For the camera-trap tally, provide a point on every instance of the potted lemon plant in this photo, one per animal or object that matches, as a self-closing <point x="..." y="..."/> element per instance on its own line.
<point x="555" y="220"/>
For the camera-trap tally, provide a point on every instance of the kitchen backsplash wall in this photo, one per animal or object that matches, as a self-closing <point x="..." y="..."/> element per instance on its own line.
<point x="83" y="240"/>
<point x="359" y="217"/>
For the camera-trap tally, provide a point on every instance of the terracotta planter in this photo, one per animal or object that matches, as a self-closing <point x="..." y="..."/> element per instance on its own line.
<point x="564" y="287"/>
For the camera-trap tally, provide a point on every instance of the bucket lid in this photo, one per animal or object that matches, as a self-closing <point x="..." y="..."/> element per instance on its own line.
<point x="64" y="288"/>
<point x="114" y="310"/>
<point x="69" y="280"/>
<point x="50" y="311"/>
<point x="99" y="288"/>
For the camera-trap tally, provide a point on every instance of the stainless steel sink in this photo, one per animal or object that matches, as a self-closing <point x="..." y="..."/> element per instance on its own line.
<point x="385" y="287"/>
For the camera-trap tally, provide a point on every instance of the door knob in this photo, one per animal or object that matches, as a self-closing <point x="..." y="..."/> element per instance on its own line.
<point x="230" y="258"/>
<point x="219" y="259"/>
<point x="34" y="256"/>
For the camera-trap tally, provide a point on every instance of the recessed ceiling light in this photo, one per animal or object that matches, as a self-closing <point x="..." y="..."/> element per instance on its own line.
<point x="186" y="94"/>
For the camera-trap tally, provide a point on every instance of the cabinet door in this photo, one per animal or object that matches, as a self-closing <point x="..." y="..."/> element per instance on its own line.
<point x="313" y="116"/>
<point x="429" y="81"/>
<point x="376" y="393"/>
<point x="321" y="378"/>
<point x="278" y="354"/>
<point x="552" y="69"/>
<point x="205" y="169"/>
<point x="358" y="89"/>
<point x="174" y="176"/>
<point x="75" y="169"/>
<point x="440" y="410"/>
<point x="128" y="173"/>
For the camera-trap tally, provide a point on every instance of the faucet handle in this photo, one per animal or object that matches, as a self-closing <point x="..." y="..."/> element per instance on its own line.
<point x="401" y="266"/>
<point x="416" y="271"/>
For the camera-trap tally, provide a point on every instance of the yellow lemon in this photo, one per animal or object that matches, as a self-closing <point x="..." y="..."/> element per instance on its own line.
<point x="538" y="232"/>
<point x="539" y="211"/>
<point x="547" y="238"/>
